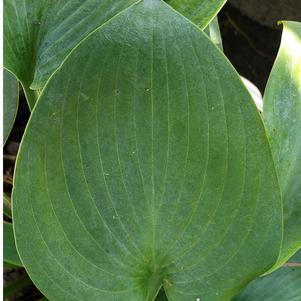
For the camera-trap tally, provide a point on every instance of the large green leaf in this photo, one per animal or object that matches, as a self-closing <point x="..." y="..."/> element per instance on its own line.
<point x="39" y="34"/>
<point x="282" y="285"/>
<point x="201" y="12"/>
<point x="139" y="169"/>
<point x="10" y="102"/>
<point x="10" y="254"/>
<point x="282" y="115"/>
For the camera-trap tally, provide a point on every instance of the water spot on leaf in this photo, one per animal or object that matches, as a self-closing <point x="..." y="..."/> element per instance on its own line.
<point x="84" y="97"/>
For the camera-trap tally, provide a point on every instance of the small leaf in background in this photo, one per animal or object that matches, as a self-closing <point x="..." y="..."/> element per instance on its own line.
<point x="10" y="254"/>
<point x="282" y="117"/>
<point x="283" y="284"/>
<point x="10" y="102"/>
<point x="213" y="31"/>
<point x="139" y="169"/>
<point x="38" y="35"/>
<point x="200" y="12"/>
<point x="6" y="206"/>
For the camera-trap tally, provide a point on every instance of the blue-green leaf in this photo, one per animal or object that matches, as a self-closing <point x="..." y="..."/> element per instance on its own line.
<point x="281" y="285"/>
<point x="139" y="169"/>
<point x="282" y="116"/>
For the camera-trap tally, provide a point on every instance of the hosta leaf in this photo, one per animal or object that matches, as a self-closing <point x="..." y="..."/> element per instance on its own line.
<point x="282" y="285"/>
<point x="10" y="102"/>
<point x="39" y="34"/>
<point x="200" y="12"/>
<point x="139" y="169"/>
<point x="282" y="115"/>
<point x="10" y="254"/>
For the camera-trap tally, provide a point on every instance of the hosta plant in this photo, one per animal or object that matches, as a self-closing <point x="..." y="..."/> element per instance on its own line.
<point x="146" y="166"/>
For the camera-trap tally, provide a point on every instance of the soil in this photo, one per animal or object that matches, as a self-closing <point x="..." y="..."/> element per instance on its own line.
<point x="250" y="47"/>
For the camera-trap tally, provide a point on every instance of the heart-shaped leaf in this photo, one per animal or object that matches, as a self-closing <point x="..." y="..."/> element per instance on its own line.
<point x="282" y="116"/>
<point x="10" y="102"/>
<point x="283" y="284"/>
<point x="139" y="169"/>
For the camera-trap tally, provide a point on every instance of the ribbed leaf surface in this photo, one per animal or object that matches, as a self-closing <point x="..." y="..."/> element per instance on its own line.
<point x="139" y="169"/>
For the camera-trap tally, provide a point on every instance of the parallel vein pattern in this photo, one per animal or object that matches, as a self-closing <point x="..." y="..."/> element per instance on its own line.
<point x="139" y="169"/>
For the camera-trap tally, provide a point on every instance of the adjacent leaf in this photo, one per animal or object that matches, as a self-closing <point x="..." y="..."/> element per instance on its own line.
<point x="6" y="205"/>
<point x="10" y="254"/>
<point x="283" y="284"/>
<point x="139" y="169"/>
<point x="255" y="93"/>
<point x="38" y="35"/>
<point x="10" y="102"/>
<point x="214" y="33"/>
<point x="200" y="12"/>
<point x="282" y="115"/>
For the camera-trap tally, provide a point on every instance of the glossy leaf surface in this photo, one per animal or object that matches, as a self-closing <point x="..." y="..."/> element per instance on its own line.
<point x="139" y="169"/>
<point x="10" y="254"/>
<point x="282" y="285"/>
<point x="10" y="102"/>
<point x="282" y="115"/>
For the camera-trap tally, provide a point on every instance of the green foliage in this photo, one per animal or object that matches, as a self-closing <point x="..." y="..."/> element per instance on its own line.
<point x="145" y="168"/>
<point x="6" y="205"/>
<point x="200" y="12"/>
<point x="38" y="35"/>
<point x="214" y="33"/>
<point x="282" y="285"/>
<point x="10" y="254"/>
<point x="282" y="116"/>
<point x="139" y="169"/>
<point x="10" y="102"/>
